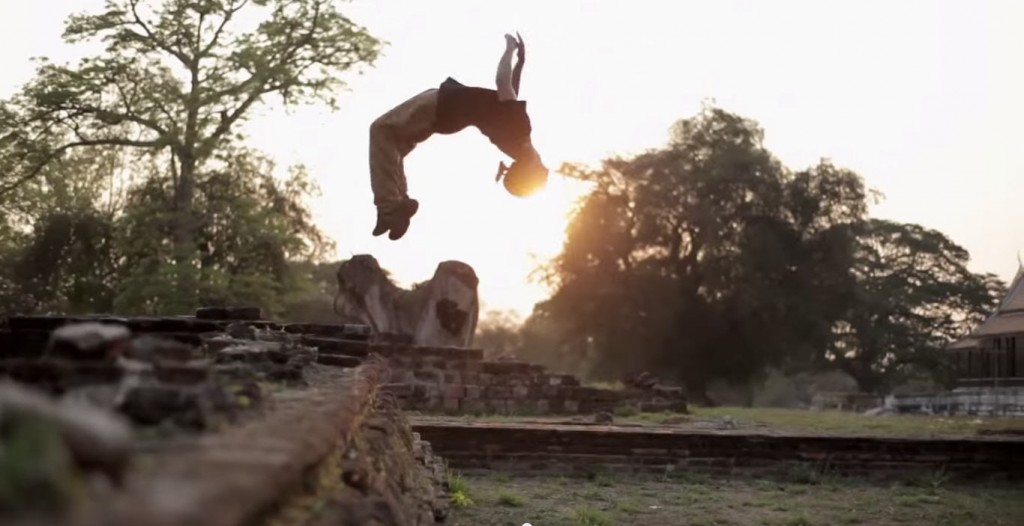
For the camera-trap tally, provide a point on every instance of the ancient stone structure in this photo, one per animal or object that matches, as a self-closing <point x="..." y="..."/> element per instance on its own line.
<point x="460" y="381"/>
<point x="239" y="420"/>
<point x="981" y="401"/>
<point x="231" y="418"/>
<point x="590" y="449"/>
<point x="440" y="312"/>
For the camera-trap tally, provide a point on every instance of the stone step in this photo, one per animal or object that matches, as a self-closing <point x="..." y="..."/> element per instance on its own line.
<point x="341" y="346"/>
<point x="339" y="360"/>
<point x="184" y="324"/>
<point x="593" y="448"/>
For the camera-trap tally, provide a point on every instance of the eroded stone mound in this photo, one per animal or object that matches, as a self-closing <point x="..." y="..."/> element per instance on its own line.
<point x="440" y="312"/>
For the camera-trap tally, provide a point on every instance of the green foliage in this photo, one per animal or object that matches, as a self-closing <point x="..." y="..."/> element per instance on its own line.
<point x="36" y="470"/>
<point x="459" y="489"/>
<point x="707" y="260"/>
<point x="498" y="333"/>
<point x="913" y="295"/>
<point x="175" y="80"/>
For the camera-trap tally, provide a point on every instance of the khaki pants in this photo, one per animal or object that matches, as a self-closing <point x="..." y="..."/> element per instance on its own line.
<point x="392" y="136"/>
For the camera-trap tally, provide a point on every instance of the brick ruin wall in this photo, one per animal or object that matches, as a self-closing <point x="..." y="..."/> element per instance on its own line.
<point x="459" y="381"/>
<point x="325" y="432"/>
<point x="587" y="450"/>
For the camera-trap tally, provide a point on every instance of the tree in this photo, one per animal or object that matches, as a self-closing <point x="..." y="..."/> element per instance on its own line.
<point x="913" y="296"/>
<point x="178" y="77"/>
<point x="705" y="259"/>
<point x="498" y="333"/>
<point x="59" y="252"/>
<point x="255" y="237"/>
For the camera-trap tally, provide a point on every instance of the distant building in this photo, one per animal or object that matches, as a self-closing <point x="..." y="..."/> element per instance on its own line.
<point x="993" y="354"/>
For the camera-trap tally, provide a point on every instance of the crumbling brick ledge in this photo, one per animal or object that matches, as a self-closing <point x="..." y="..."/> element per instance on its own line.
<point x="557" y="449"/>
<point x="241" y="474"/>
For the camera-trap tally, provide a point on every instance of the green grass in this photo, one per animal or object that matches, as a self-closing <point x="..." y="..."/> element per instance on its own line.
<point x="587" y="516"/>
<point x="847" y="423"/>
<point x="715" y="502"/>
<point x="459" y="491"/>
<point x="512" y="500"/>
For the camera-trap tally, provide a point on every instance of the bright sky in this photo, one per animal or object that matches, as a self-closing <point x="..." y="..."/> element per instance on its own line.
<point x="923" y="98"/>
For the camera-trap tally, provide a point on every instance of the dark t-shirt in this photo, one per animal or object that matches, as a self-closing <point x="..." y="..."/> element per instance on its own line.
<point x="505" y="123"/>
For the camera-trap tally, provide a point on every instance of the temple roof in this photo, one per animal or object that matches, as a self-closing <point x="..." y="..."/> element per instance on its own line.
<point x="1009" y="316"/>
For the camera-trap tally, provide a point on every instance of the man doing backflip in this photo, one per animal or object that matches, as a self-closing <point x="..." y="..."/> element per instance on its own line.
<point x="497" y="113"/>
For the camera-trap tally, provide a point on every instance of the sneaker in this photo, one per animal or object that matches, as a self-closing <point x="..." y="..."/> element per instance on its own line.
<point x="396" y="220"/>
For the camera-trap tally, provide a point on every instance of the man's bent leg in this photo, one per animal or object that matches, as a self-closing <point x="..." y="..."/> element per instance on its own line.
<point x="392" y="136"/>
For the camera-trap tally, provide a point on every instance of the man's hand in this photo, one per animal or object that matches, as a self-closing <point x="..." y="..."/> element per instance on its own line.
<point x="502" y="169"/>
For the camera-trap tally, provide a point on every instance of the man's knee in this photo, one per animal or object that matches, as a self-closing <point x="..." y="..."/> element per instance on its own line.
<point x="378" y="129"/>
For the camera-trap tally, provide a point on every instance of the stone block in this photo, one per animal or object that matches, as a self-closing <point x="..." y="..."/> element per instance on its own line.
<point x="229" y="313"/>
<point x="153" y="349"/>
<point x="472" y="392"/>
<point x="451" y="377"/>
<point x="338" y="360"/>
<point x="471" y="378"/>
<point x="496" y="391"/>
<point x="520" y="392"/>
<point x="455" y="391"/>
<point x="497" y="405"/>
<point x="571" y="406"/>
<point x="182" y="373"/>
<point x="450" y="404"/>
<point x="473" y="406"/>
<point x="401" y="390"/>
<point x="89" y="341"/>
<point x="427" y="375"/>
<point x="513" y="380"/>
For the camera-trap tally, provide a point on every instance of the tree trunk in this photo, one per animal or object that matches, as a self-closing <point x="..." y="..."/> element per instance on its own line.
<point x="184" y="238"/>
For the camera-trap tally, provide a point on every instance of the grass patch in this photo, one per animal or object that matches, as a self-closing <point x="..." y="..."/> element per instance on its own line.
<point x="643" y="501"/>
<point x="587" y="516"/>
<point x="511" y="500"/>
<point x="459" y="491"/>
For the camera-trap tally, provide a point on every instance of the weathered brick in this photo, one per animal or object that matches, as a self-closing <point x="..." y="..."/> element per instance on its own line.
<point x="472" y="392"/>
<point x="450" y="404"/>
<point x="455" y="391"/>
<point x="497" y="405"/>
<point x="495" y="391"/>
<point x="401" y="390"/>
<point x="471" y="378"/>
<point x="473" y="405"/>
<point x="571" y="406"/>
<point x="427" y="375"/>
<point x="520" y="391"/>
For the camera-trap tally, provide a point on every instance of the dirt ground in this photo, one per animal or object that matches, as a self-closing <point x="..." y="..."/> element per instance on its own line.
<point x="499" y="500"/>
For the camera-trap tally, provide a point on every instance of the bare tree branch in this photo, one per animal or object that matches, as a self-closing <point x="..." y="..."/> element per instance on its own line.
<point x="177" y="53"/>
<point x="60" y="151"/>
